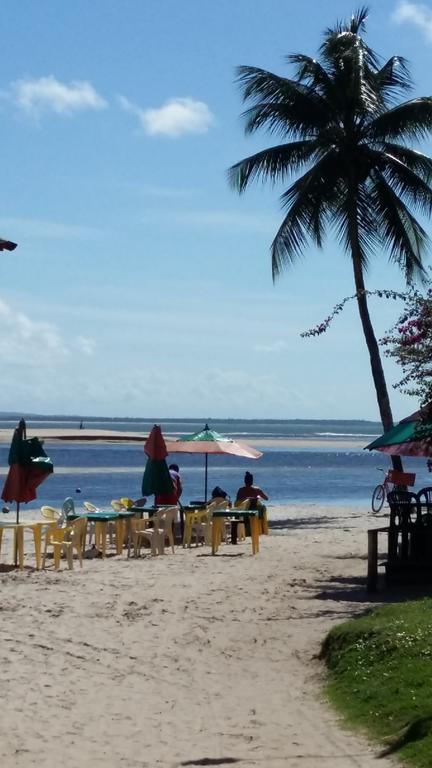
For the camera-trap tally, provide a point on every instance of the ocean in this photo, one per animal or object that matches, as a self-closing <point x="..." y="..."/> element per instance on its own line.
<point x="303" y="462"/>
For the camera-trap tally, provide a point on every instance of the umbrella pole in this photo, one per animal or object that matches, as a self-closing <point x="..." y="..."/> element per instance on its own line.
<point x="205" y="481"/>
<point x="16" y="537"/>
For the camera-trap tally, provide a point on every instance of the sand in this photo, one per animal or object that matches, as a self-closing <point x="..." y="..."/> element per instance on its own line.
<point x="185" y="659"/>
<point x="348" y="443"/>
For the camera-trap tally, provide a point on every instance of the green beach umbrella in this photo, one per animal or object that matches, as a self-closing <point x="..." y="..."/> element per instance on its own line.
<point x="411" y="437"/>
<point x="156" y="479"/>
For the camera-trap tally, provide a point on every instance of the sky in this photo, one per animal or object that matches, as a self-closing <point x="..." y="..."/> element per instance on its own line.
<point x="141" y="284"/>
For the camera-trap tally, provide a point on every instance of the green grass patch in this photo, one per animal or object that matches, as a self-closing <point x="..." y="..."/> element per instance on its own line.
<point x="380" y="677"/>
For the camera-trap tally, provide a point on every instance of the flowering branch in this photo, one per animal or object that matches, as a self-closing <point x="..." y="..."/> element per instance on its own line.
<point x="322" y="327"/>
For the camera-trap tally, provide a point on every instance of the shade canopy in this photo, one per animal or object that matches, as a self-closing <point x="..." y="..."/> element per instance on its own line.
<point x="411" y="437"/>
<point x="208" y="441"/>
<point x="157" y="479"/>
<point x="28" y="467"/>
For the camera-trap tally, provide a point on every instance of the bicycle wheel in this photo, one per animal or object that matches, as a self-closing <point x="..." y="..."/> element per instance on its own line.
<point x="378" y="497"/>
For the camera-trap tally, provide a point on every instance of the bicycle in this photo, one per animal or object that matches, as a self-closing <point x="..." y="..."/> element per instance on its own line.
<point x="392" y="480"/>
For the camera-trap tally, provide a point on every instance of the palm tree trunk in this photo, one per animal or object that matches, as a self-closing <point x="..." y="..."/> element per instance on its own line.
<point x="369" y="333"/>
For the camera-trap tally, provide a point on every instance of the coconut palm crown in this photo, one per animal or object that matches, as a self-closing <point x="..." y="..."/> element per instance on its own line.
<point x="344" y="152"/>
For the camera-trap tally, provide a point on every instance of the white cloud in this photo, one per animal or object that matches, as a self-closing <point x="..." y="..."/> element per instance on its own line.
<point x="417" y="14"/>
<point x="47" y="94"/>
<point x="29" y="343"/>
<point x="85" y="345"/>
<point x="175" y="118"/>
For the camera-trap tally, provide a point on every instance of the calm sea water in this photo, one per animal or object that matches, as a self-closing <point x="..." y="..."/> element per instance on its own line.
<point x="329" y="475"/>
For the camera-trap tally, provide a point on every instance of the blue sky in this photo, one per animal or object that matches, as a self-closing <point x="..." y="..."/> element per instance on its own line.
<point x="142" y="284"/>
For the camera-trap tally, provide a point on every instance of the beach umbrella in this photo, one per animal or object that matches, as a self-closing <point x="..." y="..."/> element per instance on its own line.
<point x="209" y="441"/>
<point x="28" y="467"/>
<point x="156" y="479"/>
<point x="411" y="437"/>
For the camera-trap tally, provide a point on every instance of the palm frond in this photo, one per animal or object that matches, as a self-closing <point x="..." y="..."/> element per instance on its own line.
<point x="309" y="204"/>
<point x="279" y="99"/>
<point x="284" y="119"/>
<point x="402" y="235"/>
<point x="310" y="72"/>
<point x="410" y="120"/>
<point x="412" y="158"/>
<point x="343" y="214"/>
<point x="275" y="164"/>
<point x="257" y="84"/>
<point x="404" y="182"/>
<point x="394" y="78"/>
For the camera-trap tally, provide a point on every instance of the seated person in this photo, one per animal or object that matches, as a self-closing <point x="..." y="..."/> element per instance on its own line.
<point x="218" y="494"/>
<point x="255" y="494"/>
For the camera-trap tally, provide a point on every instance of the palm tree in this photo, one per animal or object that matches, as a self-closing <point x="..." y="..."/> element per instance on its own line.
<point x="344" y="139"/>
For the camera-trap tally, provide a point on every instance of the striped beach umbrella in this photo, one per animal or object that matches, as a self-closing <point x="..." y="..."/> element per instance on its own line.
<point x="208" y="441"/>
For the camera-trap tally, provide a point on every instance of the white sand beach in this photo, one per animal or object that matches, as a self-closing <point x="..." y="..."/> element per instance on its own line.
<point x="185" y="659"/>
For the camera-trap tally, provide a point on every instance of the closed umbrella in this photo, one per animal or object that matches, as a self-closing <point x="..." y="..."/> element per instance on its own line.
<point x="209" y="441"/>
<point x="28" y="467"/>
<point x="156" y="479"/>
<point x="411" y="437"/>
<point x="7" y="245"/>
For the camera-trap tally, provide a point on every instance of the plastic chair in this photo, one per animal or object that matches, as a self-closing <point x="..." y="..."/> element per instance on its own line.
<point x="67" y="540"/>
<point x="50" y="513"/>
<point x="118" y="505"/>
<point x="200" y="524"/>
<point x="163" y="522"/>
<point x="197" y="523"/>
<point x="140" y="502"/>
<point x="91" y="507"/>
<point x="68" y="506"/>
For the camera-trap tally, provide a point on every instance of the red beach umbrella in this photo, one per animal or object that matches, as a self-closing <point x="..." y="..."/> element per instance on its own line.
<point x="155" y="446"/>
<point x="28" y="467"/>
<point x="156" y="479"/>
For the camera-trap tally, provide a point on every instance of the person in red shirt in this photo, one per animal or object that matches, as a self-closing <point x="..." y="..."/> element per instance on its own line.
<point x="171" y="498"/>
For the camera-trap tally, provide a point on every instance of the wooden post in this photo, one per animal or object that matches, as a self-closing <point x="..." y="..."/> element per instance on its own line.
<point x="372" y="570"/>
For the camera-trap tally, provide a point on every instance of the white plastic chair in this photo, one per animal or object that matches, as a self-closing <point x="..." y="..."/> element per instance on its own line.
<point x="163" y="522"/>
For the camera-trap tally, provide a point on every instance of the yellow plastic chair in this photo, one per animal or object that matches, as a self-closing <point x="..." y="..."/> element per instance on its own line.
<point x="67" y="540"/>
<point x="196" y="525"/>
<point x="51" y="513"/>
<point x="118" y="505"/>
